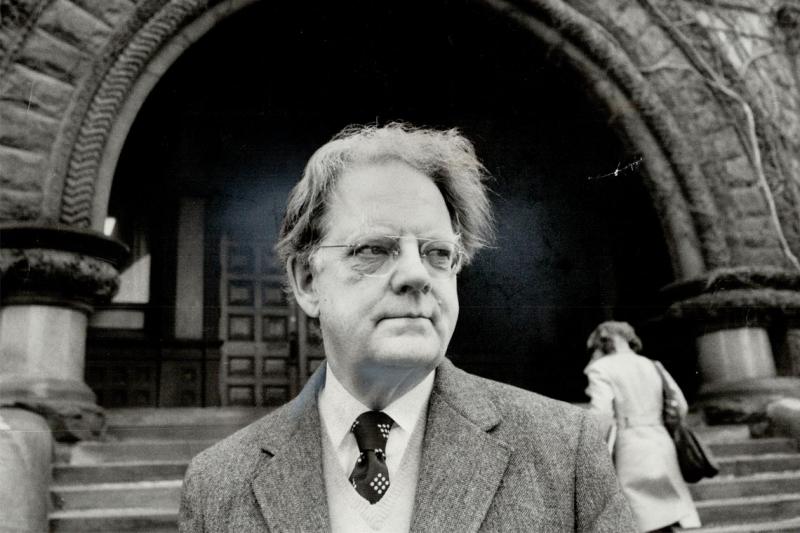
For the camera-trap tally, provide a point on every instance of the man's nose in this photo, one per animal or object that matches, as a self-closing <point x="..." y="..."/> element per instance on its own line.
<point x="410" y="272"/>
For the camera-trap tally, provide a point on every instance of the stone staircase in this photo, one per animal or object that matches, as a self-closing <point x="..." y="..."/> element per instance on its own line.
<point x="758" y="487"/>
<point x="132" y="481"/>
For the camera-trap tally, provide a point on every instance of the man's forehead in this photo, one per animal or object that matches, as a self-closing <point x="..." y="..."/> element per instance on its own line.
<point x="372" y="219"/>
<point x="391" y="194"/>
<point x="386" y="180"/>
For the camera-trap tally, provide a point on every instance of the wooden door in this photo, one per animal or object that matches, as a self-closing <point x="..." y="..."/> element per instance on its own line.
<point x="269" y="346"/>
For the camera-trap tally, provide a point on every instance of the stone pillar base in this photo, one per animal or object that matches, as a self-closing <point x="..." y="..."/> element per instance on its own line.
<point x="784" y="418"/>
<point x="51" y="277"/>
<point x="67" y="405"/>
<point x="26" y="450"/>
<point x="41" y="368"/>
<point x="744" y="401"/>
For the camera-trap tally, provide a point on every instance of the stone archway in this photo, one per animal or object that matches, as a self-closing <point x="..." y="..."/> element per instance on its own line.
<point x="87" y="159"/>
<point x="74" y="76"/>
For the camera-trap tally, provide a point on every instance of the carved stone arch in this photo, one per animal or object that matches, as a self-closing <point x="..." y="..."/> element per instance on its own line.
<point x="89" y="154"/>
<point x="679" y="190"/>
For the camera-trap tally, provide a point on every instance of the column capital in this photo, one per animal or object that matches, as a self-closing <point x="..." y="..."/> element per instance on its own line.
<point x="735" y="297"/>
<point x="51" y="277"/>
<point x="58" y="265"/>
<point x="729" y="310"/>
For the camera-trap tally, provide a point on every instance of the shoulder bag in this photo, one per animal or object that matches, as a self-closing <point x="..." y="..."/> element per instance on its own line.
<point x="694" y="459"/>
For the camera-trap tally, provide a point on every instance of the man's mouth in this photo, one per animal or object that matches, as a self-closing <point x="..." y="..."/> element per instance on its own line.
<point x="408" y="316"/>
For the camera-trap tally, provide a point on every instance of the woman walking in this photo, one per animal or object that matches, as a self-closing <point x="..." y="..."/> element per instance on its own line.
<point x="626" y="390"/>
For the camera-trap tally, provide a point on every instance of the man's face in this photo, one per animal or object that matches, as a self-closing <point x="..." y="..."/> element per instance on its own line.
<point x="404" y="319"/>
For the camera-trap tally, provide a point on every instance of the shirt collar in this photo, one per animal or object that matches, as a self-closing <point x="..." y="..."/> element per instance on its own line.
<point x="339" y="408"/>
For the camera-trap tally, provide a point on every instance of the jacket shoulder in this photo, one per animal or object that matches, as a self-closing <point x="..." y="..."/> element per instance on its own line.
<point x="235" y="456"/>
<point x="526" y="415"/>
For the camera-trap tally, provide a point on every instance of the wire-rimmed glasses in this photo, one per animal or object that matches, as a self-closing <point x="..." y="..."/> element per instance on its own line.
<point x="376" y="255"/>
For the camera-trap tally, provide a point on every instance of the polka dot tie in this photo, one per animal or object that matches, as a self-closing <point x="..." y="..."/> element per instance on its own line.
<point x="370" y="476"/>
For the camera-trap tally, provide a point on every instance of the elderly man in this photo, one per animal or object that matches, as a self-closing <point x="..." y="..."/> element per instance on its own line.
<point x="388" y="435"/>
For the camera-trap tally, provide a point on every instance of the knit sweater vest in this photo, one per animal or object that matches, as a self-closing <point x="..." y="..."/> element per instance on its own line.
<point x="351" y="513"/>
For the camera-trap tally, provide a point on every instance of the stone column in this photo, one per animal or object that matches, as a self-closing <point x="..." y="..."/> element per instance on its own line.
<point x="729" y="312"/>
<point x="791" y="349"/>
<point x="26" y="449"/>
<point x="51" y="276"/>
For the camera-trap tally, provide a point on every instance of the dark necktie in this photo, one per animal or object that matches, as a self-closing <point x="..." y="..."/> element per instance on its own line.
<point x="370" y="476"/>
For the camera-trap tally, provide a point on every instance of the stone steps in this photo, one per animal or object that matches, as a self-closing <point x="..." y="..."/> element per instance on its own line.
<point x="118" y="472"/>
<point x="131" y="482"/>
<point x="754" y="446"/>
<point x="129" y="519"/>
<point x="750" y="509"/>
<point x="162" y="494"/>
<point x="745" y="465"/>
<point x="758" y="488"/>
<point x="189" y="423"/>
<point x="791" y="525"/>
<point x="722" y="487"/>
<point x="88" y="453"/>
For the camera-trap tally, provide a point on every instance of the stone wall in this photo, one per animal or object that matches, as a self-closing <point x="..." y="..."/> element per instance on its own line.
<point x="49" y="51"/>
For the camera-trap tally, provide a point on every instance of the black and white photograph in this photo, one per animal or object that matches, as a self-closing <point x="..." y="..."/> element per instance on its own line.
<point x="400" y="266"/>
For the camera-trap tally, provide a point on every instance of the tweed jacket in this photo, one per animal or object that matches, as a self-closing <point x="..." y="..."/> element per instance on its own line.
<point x="495" y="458"/>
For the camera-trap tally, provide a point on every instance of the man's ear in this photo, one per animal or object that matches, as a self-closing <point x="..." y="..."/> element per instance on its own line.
<point x="301" y="280"/>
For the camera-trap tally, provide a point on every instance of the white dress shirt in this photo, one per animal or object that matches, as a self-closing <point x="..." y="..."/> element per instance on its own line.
<point x="338" y="409"/>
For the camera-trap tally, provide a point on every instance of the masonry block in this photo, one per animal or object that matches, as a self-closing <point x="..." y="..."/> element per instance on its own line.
<point x="17" y="206"/>
<point x="753" y="224"/>
<point x="634" y="20"/>
<point x="75" y="26"/>
<point x="34" y="91"/>
<point x="654" y="45"/>
<point x="739" y="172"/>
<point x="113" y="12"/>
<point x="698" y="113"/>
<point x="25" y="130"/>
<point x="741" y="256"/>
<point x="5" y="42"/>
<point x="20" y="170"/>
<point x="782" y="72"/>
<point x="784" y="417"/>
<point x="788" y="118"/>
<point x="725" y="143"/>
<point x="749" y="201"/>
<point x="26" y="448"/>
<point x="48" y="55"/>
<point x="757" y="239"/>
<point x="753" y="24"/>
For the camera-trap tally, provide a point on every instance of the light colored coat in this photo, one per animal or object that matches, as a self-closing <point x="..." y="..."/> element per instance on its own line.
<point x="627" y="389"/>
<point x="495" y="458"/>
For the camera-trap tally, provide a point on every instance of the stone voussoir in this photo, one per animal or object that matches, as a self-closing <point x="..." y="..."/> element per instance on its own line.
<point x="75" y="25"/>
<point x="21" y="170"/>
<point x="47" y="95"/>
<point x="46" y="54"/>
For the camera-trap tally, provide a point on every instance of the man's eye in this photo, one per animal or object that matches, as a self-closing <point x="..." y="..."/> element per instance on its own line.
<point x="371" y="250"/>
<point x="439" y="253"/>
<point x="440" y="257"/>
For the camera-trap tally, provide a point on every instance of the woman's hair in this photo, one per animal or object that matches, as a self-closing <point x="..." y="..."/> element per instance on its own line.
<point x="446" y="156"/>
<point x="608" y="329"/>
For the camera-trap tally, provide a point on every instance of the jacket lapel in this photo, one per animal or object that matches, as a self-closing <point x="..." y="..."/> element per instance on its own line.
<point x="289" y="486"/>
<point x="462" y="464"/>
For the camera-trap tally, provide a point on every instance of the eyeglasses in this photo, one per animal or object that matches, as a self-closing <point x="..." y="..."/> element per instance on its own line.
<point x="376" y="255"/>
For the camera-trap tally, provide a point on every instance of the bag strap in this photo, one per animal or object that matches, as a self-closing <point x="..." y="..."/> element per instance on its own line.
<point x="667" y="394"/>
